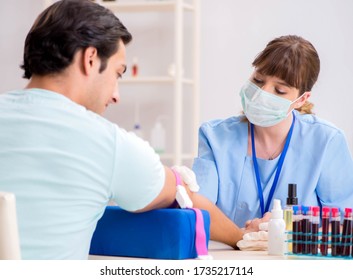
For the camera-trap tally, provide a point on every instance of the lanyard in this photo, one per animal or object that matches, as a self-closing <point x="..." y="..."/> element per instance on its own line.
<point x="278" y="171"/>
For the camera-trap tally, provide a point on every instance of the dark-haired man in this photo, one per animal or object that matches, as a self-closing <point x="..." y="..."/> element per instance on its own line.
<point x="61" y="159"/>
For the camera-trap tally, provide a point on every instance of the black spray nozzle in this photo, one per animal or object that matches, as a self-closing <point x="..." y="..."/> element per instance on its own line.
<point x="292" y="194"/>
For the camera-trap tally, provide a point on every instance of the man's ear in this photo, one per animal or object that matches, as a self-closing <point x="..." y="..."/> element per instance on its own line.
<point x="90" y="60"/>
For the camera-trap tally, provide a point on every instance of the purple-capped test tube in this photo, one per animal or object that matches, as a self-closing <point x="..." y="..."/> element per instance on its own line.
<point x="306" y="229"/>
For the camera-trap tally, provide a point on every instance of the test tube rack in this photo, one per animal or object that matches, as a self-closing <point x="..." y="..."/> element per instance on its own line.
<point x="306" y="238"/>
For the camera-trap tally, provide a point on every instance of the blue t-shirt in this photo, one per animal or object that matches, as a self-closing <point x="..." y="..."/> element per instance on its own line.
<point x="318" y="161"/>
<point x="64" y="163"/>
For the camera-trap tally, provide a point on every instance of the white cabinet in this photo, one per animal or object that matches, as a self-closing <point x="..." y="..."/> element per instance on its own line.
<point x="166" y="42"/>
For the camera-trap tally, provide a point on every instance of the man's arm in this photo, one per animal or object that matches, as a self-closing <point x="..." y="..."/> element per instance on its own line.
<point x="222" y="229"/>
<point x="167" y="195"/>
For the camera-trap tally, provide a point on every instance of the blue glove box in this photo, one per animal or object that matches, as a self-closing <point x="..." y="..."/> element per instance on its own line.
<point x="157" y="234"/>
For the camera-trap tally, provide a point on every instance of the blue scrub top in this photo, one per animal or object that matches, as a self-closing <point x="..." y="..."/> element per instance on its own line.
<point x="318" y="161"/>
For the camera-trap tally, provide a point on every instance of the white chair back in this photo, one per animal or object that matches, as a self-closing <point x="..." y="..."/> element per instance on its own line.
<point x="9" y="237"/>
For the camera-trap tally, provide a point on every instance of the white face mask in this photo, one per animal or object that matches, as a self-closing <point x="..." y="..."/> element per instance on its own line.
<point x="263" y="108"/>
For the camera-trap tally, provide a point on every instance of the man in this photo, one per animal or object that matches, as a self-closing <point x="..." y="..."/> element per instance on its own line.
<point x="61" y="159"/>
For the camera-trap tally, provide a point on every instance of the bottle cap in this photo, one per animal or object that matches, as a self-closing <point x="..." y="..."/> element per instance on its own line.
<point x="316" y="211"/>
<point x="292" y="194"/>
<point x="348" y="212"/>
<point x="326" y="212"/>
<point x="296" y="210"/>
<point x="335" y="212"/>
<point x="276" y="212"/>
<point x="306" y="210"/>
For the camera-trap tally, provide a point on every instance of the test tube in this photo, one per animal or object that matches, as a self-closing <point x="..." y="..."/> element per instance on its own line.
<point x="297" y="229"/>
<point x="315" y="222"/>
<point x="325" y="230"/>
<point x="335" y="231"/>
<point x="306" y="229"/>
<point x="346" y="232"/>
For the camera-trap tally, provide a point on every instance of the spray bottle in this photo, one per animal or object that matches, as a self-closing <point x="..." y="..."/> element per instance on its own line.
<point x="276" y="230"/>
<point x="288" y="211"/>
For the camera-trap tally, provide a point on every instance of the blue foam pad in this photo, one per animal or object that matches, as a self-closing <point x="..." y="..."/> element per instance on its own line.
<point x="157" y="234"/>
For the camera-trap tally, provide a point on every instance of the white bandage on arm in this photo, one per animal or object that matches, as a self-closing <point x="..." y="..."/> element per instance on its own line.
<point x="182" y="196"/>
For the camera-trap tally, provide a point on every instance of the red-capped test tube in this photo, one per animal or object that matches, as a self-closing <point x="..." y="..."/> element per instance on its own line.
<point x="347" y="232"/>
<point x="325" y="230"/>
<point x="315" y="223"/>
<point x="335" y="231"/>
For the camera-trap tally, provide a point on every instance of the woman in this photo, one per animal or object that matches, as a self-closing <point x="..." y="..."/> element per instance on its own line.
<point x="245" y="162"/>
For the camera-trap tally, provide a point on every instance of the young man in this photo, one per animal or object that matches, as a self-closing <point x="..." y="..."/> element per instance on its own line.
<point x="60" y="158"/>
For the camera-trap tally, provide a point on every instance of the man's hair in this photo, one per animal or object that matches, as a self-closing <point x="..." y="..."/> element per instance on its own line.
<point x="66" y="27"/>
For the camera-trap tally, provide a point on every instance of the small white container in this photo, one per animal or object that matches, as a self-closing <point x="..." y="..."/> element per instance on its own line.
<point x="276" y="231"/>
<point x="158" y="137"/>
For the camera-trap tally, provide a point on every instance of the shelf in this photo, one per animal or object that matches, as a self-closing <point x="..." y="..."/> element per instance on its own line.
<point x="143" y="6"/>
<point x="172" y="156"/>
<point x="175" y="81"/>
<point x="177" y="9"/>
<point x="152" y="80"/>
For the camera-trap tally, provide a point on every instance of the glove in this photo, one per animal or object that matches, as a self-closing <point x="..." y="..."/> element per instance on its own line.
<point x="252" y="245"/>
<point x="255" y="241"/>
<point x="188" y="177"/>
<point x="256" y="235"/>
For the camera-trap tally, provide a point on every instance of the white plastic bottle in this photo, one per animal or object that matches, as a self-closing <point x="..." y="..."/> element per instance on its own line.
<point x="158" y="137"/>
<point x="276" y="231"/>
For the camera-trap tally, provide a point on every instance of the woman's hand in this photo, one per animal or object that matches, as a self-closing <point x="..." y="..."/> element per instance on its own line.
<point x="253" y="225"/>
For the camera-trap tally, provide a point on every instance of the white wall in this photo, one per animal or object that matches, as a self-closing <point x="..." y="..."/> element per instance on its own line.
<point x="16" y="18"/>
<point x="232" y="33"/>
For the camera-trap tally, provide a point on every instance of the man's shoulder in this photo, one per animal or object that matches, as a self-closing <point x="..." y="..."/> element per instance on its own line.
<point x="55" y="108"/>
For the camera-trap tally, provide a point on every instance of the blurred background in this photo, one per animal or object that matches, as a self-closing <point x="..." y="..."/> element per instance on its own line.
<point x="231" y="33"/>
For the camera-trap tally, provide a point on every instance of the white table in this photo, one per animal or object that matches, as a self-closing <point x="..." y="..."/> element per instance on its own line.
<point x="220" y="251"/>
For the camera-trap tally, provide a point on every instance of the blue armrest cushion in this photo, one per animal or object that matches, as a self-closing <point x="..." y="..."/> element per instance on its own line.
<point x="157" y="234"/>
